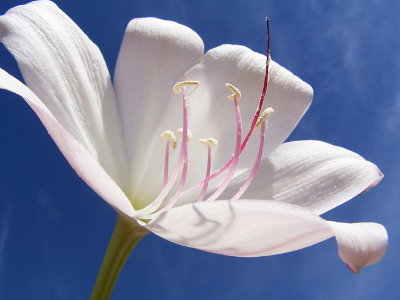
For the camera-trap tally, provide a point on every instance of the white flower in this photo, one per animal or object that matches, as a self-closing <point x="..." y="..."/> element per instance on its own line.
<point x="110" y="136"/>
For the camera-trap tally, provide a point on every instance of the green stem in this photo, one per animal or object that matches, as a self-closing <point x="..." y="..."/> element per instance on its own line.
<point x="125" y="237"/>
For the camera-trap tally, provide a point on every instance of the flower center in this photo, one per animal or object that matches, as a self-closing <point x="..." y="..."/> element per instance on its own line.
<point x="153" y="209"/>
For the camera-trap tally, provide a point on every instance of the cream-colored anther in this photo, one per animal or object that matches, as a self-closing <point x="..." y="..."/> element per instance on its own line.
<point x="169" y="136"/>
<point x="177" y="87"/>
<point x="235" y="91"/>
<point x="266" y="113"/>
<point x="189" y="133"/>
<point x="209" y="142"/>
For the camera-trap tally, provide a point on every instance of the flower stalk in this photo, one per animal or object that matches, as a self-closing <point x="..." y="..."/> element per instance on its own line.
<point x="125" y="237"/>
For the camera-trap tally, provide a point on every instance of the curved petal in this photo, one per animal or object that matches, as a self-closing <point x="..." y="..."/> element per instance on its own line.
<point x="245" y="228"/>
<point x="154" y="53"/>
<point x="360" y="244"/>
<point x="211" y="114"/>
<point x="311" y="174"/>
<point x="250" y="228"/>
<point x="68" y="73"/>
<point x="87" y="167"/>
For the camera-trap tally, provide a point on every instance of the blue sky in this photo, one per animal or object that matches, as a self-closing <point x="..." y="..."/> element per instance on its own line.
<point x="54" y="229"/>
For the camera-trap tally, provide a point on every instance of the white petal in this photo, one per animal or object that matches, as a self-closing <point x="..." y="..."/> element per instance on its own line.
<point x="241" y="228"/>
<point x="154" y="53"/>
<point x="87" y="167"/>
<point x="311" y="174"/>
<point x="68" y="73"/>
<point x="360" y="244"/>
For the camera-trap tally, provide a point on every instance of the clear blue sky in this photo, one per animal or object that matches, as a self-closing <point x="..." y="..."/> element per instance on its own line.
<point x="54" y="229"/>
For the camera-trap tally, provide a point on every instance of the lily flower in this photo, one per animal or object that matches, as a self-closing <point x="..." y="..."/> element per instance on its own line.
<point x="238" y="192"/>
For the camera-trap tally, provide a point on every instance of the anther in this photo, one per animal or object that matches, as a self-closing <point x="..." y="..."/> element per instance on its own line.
<point x="189" y="133"/>
<point x="169" y="136"/>
<point x="235" y="91"/>
<point x="177" y="87"/>
<point x="209" y="142"/>
<point x="266" y="113"/>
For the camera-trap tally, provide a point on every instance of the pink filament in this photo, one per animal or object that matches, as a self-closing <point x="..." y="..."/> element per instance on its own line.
<point x="153" y="206"/>
<point x="255" y="167"/>
<point x="181" y="184"/>
<point x="204" y="190"/>
<point x="166" y="166"/>
<point x="235" y="158"/>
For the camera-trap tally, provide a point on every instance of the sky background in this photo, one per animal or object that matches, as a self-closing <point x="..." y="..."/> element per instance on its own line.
<point x="54" y="229"/>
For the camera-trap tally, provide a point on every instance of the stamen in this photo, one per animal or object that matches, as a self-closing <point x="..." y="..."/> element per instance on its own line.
<point x="261" y="123"/>
<point x="189" y="133"/>
<point x="170" y="137"/>
<point x="145" y="212"/>
<point x="266" y="113"/>
<point x="235" y="91"/>
<point x="171" y="140"/>
<point x="177" y="87"/>
<point x="235" y="158"/>
<point x="211" y="144"/>
<point x="180" y="187"/>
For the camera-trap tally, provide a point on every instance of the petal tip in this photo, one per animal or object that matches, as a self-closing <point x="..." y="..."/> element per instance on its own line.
<point x="374" y="184"/>
<point x="353" y="269"/>
<point x="360" y="244"/>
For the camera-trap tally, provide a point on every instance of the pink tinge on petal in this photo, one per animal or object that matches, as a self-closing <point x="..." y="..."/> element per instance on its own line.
<point x="374" y="184"/>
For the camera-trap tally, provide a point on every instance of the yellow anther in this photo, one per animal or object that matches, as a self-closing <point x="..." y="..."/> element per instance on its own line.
<point x="170" y="136"/>
<point x="204" y="142"/>
<point x="177" y="87"/>
<point x="189" y="133"/>
<point x="263" y="117"/>
<point x="235" y="91"/>
<point x="209" y="142"/>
